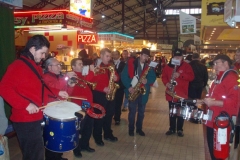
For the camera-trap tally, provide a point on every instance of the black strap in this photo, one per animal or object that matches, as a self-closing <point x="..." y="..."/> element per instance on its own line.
<point x="39" y="77"/>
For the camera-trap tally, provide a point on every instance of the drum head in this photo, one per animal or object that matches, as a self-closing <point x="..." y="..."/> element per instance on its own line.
<point x="61" y="110"/>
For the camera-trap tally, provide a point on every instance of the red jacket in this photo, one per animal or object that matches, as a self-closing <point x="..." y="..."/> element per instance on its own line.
<point x="237" y="66"/>
<point x="228" y="92"/>
<point x="58" y="82"/>
<point x="102" y="79"/>
<point x="83" y="92"/>
<point x="186" y="75"/>
<point x="19" y="87"/>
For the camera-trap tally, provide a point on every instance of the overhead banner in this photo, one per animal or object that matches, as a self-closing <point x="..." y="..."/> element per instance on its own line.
<point x="114" y="36"/>
<point x="82" y="7"/>
<point x="197" y="40"/>
<point x="16" y="3"/>
<point x="187" y="23"/>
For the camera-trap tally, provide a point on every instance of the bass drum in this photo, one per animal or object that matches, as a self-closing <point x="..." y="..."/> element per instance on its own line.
<point x="61" y="129"/>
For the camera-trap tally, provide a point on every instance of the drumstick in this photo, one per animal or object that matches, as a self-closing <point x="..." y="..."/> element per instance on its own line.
<point x="81" y="98"/>
<point x="51" y="105"/>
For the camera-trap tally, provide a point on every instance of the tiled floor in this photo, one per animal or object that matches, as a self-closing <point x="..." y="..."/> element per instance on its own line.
<point x="155" y="145"/>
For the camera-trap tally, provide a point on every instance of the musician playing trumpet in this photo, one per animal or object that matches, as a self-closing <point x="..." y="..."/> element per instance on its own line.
<point x="81" y="89"/>
<point x="137" y="70"/>
<point x="176" y="78"/>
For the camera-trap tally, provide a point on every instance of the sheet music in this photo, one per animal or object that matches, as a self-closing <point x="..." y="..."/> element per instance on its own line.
<point x="153" y="64"/>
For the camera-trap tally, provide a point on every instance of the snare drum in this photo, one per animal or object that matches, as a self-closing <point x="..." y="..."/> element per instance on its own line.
<point x="197" y="114"/>
<point x="61" y="129"/>
<point x="184" y="111"/>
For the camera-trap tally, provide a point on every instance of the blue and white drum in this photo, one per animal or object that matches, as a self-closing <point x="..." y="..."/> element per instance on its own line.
<point x="61" y="129"/>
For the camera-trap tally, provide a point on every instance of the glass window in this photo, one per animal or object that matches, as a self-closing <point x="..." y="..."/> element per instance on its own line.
<point x="183" y="10"/>
<point x="170" y="11"/>
<point x="192" y="11"/>
<point x="187" y="11"/>
<point x="196" y="10"/>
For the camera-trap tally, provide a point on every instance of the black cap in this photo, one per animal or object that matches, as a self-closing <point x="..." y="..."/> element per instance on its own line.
<point x="195" y="56"/>
<point x="177" y="52"/>
<point x="223" y="57"/>
<point x="145" y="51"/>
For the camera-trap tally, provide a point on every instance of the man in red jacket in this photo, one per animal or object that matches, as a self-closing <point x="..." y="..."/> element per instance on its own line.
<point x="99" y="97"/>
<point x="21" y="87"/>
<point x="55" y="79"/>
<point x="223" y="94"/>
<point x="183" y="75"/>
<point x="83" y="90"/>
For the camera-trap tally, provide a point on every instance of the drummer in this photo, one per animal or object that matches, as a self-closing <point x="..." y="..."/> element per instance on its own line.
<point x="83" y="90"/>
<point x="223" y="95"/>
<point x="21" y="87"/>
<point x="55" y="79"/>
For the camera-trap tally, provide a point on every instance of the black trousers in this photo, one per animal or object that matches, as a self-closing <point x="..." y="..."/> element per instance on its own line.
<point x="175" y="120"/>
<point x="86" y="127"/>
<point x="118" y="104"/>
<point x="210" y="133"/>
<point x="50" y="155"/>
<point x="106" y="121"/>
<point x="30" y="139"/>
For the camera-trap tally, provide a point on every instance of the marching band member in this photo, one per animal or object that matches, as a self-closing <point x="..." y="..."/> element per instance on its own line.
<point x="183" y="75"/>
<point x="21" y="87"/>
<point x="223" y="95"/>
<point x="99" y="97"/>
<point x="83" y="90"/>
<point x="55" y="79"/>
<point x="119" y="65"/>
<point x="136" y="68"/>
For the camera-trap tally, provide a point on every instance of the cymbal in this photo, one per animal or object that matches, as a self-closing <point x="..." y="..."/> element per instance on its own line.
<point x="173" y="95"/>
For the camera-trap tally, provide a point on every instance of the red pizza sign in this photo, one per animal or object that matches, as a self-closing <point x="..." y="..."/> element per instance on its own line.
<point x="87" y="38"/>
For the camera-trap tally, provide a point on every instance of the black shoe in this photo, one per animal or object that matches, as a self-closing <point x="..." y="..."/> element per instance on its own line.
<point x="88" y="149"/>
<point x="76" y="154"/>
<point x="124" y="109"/>
<point x="117" y="123"/>
<point x="99" y="143"/>
<point x="169" y="132"/>
<point x="111" y="138"/>
<point x="66" y="158"/>
<point x="180" y="133"/>
<point x="131" y="133"/>
<point x="140" y="132"/>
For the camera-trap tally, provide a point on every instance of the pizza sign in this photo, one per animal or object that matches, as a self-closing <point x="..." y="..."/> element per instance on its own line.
<point x="87" y="38"/>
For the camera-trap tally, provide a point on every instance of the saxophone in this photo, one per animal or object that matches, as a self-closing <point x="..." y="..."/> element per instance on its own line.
<point x="138" y="88"/>
<point x="112" y="86"/>
<point x="173" y="82"/>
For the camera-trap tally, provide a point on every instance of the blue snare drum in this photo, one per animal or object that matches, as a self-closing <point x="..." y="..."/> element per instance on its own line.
<point x="61" y="129"/>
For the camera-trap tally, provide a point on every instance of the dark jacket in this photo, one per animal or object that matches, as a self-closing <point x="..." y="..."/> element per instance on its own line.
<point x="200" y="74"/>
<point x="119" y="71"/>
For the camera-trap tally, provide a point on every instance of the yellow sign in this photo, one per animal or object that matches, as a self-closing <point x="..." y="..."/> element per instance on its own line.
<point x="82" y="7"/>
<point x="213" y="13"/>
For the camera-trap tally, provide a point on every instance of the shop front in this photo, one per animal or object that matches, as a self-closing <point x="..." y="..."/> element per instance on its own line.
<point x="67" y="32"/>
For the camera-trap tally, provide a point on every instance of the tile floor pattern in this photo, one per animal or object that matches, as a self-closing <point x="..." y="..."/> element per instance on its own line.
<point x="155" y="145"/>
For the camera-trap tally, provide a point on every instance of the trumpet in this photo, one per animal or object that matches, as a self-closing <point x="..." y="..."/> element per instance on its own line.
<point x="76" y="79"/>
<point x="100" y="70"/>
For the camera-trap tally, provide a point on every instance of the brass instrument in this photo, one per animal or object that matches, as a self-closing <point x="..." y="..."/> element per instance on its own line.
<point x="100" y="70"/>
<point x="138" y="88"/>
<point x="112" y="86"/>
<point x="76" y="79"/>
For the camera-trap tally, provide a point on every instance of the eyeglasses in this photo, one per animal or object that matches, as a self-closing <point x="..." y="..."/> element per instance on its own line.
<point x="59" y="65"/>
<point x="215" y="63"/>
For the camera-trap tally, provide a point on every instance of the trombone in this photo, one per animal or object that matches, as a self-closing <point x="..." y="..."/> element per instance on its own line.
<point x="76" y="79"/>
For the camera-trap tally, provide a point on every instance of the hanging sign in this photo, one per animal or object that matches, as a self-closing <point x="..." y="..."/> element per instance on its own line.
<point x="187" y="23"/>
<point x="16" y="3"/>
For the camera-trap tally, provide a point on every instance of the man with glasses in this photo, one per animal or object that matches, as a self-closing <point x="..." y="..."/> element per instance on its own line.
<point x="54" y="79"/>
<point x="223" y="95"/>
<point x="130" y="75"/>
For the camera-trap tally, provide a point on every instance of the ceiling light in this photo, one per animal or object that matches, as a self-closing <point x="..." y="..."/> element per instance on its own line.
<point x="236" y="26"/>
<point x="103" y="16"/>
<point x="164" y="19"/>
<point x="213" y="31"/>
<point x="136" y="31"/>
<point x="155" y="9"/>
<point x="214" y="28"/>
<point x="222" y="39"/>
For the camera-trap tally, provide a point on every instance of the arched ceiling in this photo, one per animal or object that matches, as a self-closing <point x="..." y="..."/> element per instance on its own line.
<point x="127" y="16"/>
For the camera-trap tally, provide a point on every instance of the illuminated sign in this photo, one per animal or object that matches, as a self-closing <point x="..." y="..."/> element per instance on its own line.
<point x="82" y="7"/>
<point x="52" y="17"/>
<point x="87" y="38"/>
<point x="114" y="36"/>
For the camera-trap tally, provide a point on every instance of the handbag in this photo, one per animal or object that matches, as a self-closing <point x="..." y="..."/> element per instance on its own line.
<point x="4" y="146"/>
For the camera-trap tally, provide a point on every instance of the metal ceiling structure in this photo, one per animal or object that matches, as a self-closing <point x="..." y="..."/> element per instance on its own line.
<point x="133" y="17"/>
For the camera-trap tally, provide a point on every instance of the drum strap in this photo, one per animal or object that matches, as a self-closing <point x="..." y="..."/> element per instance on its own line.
<point x="39" y="77"/>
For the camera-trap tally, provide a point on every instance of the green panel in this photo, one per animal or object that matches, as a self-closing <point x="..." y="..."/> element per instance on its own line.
<point x="7" y="46"/>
